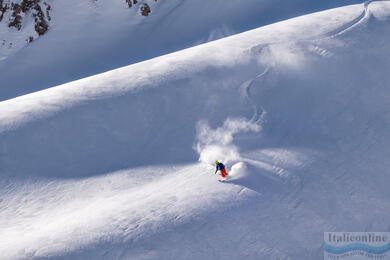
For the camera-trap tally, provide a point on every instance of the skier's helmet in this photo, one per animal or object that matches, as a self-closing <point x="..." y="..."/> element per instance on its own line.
<point x="216" y="162"/>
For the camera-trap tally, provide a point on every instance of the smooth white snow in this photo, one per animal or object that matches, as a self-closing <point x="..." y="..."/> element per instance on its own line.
<point x="107" y="167"/>
<point x="87" y="37"/>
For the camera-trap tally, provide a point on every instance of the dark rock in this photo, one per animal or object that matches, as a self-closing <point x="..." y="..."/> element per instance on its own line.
<point x="145" y="9"/>
<point x="3" y="9"/>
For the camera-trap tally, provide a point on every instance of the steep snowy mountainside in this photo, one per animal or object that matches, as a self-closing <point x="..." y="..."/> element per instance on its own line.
<point x="200" y="67"/>
<point x="23" y="13"/>
<point x="107" y="167"/>
<point x="14" y="15"/>
<point x="87" y="37"/>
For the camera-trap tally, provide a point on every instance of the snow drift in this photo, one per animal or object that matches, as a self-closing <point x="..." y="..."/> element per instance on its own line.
<point x="88" y="37"/>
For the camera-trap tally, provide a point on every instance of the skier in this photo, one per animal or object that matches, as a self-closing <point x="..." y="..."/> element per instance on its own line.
<point x="221" y="168"/>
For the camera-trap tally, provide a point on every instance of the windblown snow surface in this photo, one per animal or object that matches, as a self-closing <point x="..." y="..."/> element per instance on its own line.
<point x="120" y="165"/>
<point x="87" y="37"/>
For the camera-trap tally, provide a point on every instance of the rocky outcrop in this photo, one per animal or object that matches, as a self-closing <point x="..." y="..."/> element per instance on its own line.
<point x="144" y="8"/>
<point x="40" y="19"/>
<point x="3" y="9"/>
<point x="40" y="12"/>
<point x="15" y="14"/>
<point x="130" y="3"/>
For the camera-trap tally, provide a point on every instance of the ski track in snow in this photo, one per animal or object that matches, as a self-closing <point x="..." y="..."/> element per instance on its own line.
<point x="347" y="27"/>
<point x="363" y="17"/>
<point x="256" y="118"/>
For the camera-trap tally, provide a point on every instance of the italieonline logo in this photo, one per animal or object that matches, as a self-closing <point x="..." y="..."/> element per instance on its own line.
<point x="357" y="245"/>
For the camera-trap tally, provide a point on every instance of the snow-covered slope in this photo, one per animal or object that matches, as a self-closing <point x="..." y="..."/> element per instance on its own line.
<point x="92" y="36"/>
<point x="107" y="167"/>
